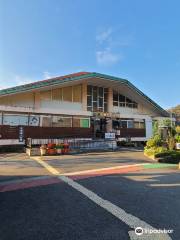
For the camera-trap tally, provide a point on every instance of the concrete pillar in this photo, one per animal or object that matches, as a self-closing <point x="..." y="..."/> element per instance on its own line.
<point x="110" y="100"/>
<point x="84" y="96"/>
<point x="110" y="109"/>
<point x="37" y="100"/>
<point x="149" y="129"/>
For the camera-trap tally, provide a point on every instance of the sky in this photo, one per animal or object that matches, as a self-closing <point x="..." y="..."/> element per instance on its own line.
<point x="133" y="39"/>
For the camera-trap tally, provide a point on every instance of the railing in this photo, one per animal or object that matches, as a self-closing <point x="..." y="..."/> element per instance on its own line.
<point x="76" y="143"/>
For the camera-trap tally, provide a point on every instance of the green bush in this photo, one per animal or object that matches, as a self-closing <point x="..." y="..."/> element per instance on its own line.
<point x="178" y="129"/>
<point x="171" y="143"/>
<point x="154" y="142"/>
<point x="168" y="157"/>
<point x="154" y="150"/>
<point x="177" y="138"/>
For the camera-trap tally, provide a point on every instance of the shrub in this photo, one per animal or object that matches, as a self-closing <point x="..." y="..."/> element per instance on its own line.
<point x="178" y="129"/>
<point x="154" y="142"/>
<point x="171" y="143"/>
<point x="169" y="157"/>
<point x="154" y="150"/>
<point x="177" y="138"/>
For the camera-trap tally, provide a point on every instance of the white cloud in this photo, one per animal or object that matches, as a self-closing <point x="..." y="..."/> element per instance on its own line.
<point x="104" y="36"/>
<point x="20" y="80"/>
<point x="15" y="81"/>
<point x="46" y="75"/>
<point x="109" y="45"/>
<point x="106" y="57"/>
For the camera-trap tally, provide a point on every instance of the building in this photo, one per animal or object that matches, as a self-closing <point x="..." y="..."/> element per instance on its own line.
<point x="81" y="105"/>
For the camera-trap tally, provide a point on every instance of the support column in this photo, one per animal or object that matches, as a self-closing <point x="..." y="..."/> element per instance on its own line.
<point x="84" y="96"/>
<point x="37" y="100"/>
<point x="110" y="109"/>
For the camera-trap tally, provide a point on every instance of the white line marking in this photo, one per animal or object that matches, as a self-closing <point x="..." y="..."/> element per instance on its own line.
<point x="130" y="220"/>
<point x="104" y="169"/>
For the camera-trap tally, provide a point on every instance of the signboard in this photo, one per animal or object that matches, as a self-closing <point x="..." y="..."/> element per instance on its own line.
<point x="110" y="135"/>
<point x="21" y="134"/>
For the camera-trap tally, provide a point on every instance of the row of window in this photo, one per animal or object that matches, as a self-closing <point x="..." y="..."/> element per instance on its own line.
<point x="124" y="123"/>
<point x="70" y="94"/>
<point x="120" y="100"/>
<point x="44" y="120"/>
<point x="97" y="98"/>
<point x="59" y="121"/>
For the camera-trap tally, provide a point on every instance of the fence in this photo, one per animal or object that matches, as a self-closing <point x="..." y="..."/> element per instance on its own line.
<point x="76" y="143"/>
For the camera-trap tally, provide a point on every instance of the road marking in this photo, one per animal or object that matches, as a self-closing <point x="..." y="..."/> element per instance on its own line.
<point x="104" y="169"/>
<point x="132" y="221"/>
<point x="46" y="165"/>
<point x="165" y="185"/>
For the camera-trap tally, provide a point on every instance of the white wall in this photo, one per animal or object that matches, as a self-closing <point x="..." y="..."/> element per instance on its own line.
<point x="61" y="105"/>
<point x="20" y="100"/>
<point x="140" y="110"/>
<point x="149" y="129"/>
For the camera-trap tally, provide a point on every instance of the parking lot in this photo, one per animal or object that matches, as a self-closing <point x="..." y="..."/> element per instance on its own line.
<point x="88" y="196"/>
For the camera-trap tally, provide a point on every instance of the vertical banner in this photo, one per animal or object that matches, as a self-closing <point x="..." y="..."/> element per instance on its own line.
<point x="21" y="133"/>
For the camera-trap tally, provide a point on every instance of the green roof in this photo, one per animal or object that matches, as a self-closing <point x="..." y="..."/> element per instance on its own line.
<point x="73" y="77"/>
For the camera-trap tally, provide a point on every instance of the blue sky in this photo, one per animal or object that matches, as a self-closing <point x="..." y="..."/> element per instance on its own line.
<point x="133" y="39"/>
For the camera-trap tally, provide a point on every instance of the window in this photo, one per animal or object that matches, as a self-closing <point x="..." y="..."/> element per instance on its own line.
<point x="120" y="100"/>
<point x="46" y="121"/>
<point x="116" y="124"/>
<point x="84" y="123"/>
<point x="46" y="95"/>
<point x="81" y="122"/>
<point x="89" y="90"/>
<point x="57" y="94"/>
<point x="97" y="98"/>
<point x="15" y="120"/>
<point x="139" y="123"/>
<point x="123" y="123"/>
<point x="130" y="124"/>
<point x="136" y="124"/>
<point x="77" y="93"/>
<point x="76" y="122"/>
<point x="142" y="125"/>
<point x="60" y="121"/>
<point x="67" y="94"/>
<point x="89" y="101"/>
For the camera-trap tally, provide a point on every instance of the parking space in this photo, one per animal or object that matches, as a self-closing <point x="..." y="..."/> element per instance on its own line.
<point x="19" y="166"/>
<point x="89" y="196"/>
<point x="89" y="161"/>
<point x="149" y="194"/>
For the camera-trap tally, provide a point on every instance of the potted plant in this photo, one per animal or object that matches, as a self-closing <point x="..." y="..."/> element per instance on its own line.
<point x="51" y="148"/>
<point x="43" y="149"/>
<point x="59" y="149"/>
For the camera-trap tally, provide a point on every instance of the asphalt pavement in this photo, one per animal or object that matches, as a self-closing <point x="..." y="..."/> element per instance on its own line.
<point x="73" y="197"/>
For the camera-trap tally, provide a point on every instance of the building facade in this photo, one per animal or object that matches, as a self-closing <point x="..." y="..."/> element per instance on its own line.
<point x="80" y="105"/>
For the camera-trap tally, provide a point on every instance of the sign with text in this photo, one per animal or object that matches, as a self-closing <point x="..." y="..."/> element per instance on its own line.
<point x="110" y="135"/>
<point x="21" y="134"/>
